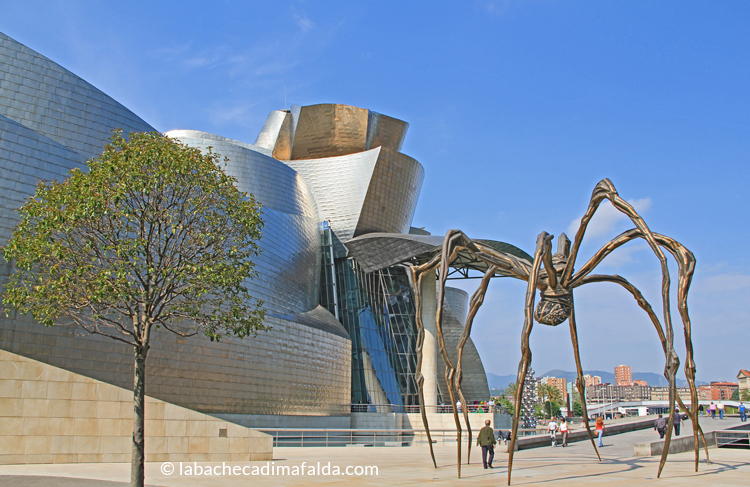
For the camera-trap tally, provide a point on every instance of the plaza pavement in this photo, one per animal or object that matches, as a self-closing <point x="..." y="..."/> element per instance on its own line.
<point x="574" y="465"/>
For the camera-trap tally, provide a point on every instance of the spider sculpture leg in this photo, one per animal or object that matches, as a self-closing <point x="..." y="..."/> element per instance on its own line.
<point x="542" y="246"/>
<point x="416" y="283"/>
<point x="476" y="301"/>
<point x="581" y="383"/>
<point x="686" y="266"/>
<point x="692" y="412"/>
<point x="606" y="190"/>
<point x="451" y="247"/>
<point x="686" y="259"/>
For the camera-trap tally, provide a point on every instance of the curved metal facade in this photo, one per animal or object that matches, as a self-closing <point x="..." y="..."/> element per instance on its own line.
<point x="289" y="265"/>
<point x="474" y="380"/>
<point x="309" y="165"/>
<point x="52" y="121"/>
<point x="350" y="158"/>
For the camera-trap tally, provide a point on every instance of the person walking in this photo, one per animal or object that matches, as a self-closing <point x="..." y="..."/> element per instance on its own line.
<point x="552" y="428"/>
<point x="660" y="425"/>
<point x="486" y="440"/>
<point x="743" y="414"/>
<point x="720" y="408"/>
<point x="712" y="409"/>
<point x="564" y="432"/>
<point x="677" y="421"/>
<point x="600" y="429"/>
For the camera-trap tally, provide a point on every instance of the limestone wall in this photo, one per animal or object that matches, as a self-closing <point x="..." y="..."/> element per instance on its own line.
<point x="50" y="415"/>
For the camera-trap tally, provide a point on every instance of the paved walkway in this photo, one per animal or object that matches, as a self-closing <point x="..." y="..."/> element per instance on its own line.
<point x="574" y="465"/>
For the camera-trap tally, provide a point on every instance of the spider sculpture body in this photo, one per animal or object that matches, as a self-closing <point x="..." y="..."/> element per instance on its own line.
<point x="553" y="276"/>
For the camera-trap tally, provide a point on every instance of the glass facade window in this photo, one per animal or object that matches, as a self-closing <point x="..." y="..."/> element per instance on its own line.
<point x="377" y="310"/>
<point x="328" y="295"/>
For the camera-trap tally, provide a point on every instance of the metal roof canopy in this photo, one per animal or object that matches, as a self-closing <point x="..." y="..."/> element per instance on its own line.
<point x="375" y="251"/>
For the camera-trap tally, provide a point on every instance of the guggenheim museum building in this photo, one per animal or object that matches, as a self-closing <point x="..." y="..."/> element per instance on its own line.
<point x="338" y="198"/>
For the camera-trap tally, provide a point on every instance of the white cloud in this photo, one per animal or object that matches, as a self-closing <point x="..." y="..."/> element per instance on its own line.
<point x="607" y="218"/>
<point x="302" y="21"/>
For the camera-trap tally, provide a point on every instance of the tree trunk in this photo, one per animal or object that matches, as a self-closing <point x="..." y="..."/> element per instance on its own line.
<point x="139" y="406"/>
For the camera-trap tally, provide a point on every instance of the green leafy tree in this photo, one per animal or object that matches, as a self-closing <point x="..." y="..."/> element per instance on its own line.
<point x="549" y="393"/>
<point x="154" y="235"/>
<point x="552" y="409"/>
<point x="577" y="409"/>
<point x="507" y="404"/>
<point x="510" y="391"/>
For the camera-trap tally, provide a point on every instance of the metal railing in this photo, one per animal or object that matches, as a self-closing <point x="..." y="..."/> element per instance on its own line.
<point x="732" y="438"/>
<point x="442" y="409"/>
<point x="309" y="437"/>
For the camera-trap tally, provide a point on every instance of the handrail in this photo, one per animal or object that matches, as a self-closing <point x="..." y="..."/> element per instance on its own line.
<point x="318" y="437"/>
<point x="442" y="409"/>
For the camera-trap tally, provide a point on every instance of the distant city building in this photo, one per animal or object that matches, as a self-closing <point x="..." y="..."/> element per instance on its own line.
<point x="558" y="383"/>
<point x="623" y="375"/>
<point x="722" y="391"/>
<point x="640" y="382"/>
<point x="604" y="393"/>
<point x="589" y="380"/>
<point x="662" y="394"/>
<point x="743" y="379"/>
<point x="705" y="393"/>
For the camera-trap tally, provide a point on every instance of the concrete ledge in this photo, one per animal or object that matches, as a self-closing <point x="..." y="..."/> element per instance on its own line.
<point x="676" y="445"/>
<point x="679" y="445"/>
<point x="544" y="439"/>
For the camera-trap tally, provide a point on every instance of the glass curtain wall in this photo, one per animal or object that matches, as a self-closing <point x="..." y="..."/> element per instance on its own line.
<point x="377" y="310"/>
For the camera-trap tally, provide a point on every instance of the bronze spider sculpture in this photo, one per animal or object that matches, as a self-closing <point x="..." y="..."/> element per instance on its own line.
<point x="554" y="277"/>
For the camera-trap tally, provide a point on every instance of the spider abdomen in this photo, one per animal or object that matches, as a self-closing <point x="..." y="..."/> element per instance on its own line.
<point x="553" y="309"/>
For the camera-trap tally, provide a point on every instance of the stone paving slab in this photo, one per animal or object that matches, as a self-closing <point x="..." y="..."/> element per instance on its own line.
<point x="574" y="465"/>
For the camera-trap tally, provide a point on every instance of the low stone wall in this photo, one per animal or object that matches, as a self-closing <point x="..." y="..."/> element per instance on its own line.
<point x="679" y="445"/>
<point x="50" y="415"/>
<point x="676" y="445"/>
<point x="580" y="434"/>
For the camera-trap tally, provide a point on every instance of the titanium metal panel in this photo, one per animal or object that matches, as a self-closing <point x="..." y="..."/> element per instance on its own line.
<point x="276" y="134"/>
<point x="392" y="195"/>
<point x="289" y="265"/>
<point x="329" y="130"/>
<point x="385" y="131"/>
<point x="54" y="102"/>
<point x="340" y="185"/>
<point x="474" y="381"/>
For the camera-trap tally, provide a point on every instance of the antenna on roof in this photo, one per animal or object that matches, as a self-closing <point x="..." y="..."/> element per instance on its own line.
<point x="285" y="98"/>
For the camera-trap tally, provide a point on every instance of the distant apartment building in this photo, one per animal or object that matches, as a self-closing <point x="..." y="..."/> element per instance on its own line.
<point x="640" y="382"/>
<point x="722" y="391"/>
<point x="604" y="393"/>
<point x="589" y="380"/>
<point x="743" y="379"/>
<point x="623" y="375"/>
<point x="705" y="393"/>
<point x="662" y="394"/>
<point x="558" y="383"/>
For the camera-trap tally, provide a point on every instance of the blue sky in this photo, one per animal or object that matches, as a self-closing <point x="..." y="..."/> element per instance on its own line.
<point x="516" y="110"/>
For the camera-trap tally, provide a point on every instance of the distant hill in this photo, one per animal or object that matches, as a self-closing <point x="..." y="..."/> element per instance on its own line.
<point x="656" y="380"/>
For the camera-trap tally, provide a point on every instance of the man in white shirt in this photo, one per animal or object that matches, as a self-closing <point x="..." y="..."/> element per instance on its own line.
<point x="720" y="408"/>
<point x="552" y="427"/>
